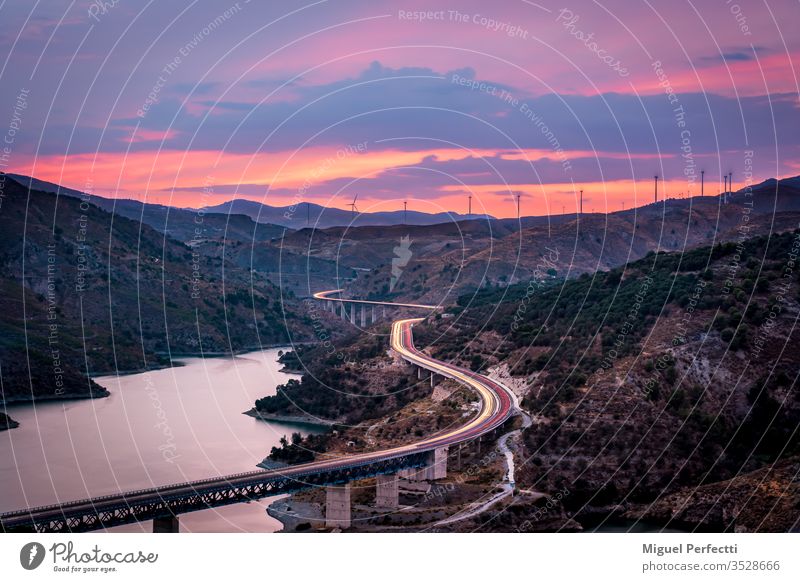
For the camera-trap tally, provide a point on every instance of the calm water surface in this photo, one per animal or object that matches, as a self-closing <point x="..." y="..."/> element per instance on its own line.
<point x="156" y="428"/>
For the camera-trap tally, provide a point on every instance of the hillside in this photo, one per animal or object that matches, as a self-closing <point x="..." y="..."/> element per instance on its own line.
<point x="89" y="292"/>
<point x="186" y="225"/>
<point x="355" y="382"/>
<point x="674" y="372"/>
<point x="457" y="264"/>
<point x="245" y="242"/>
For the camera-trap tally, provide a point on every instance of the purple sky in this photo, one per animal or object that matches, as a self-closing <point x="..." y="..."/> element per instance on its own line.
<point x="195" y="103"/>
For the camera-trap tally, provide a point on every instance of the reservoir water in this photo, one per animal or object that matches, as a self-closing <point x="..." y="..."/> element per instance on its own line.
<point x="157" y="428"/>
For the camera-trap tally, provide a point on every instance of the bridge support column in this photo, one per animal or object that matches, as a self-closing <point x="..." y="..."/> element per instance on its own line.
<point x="419" y="373"/>
<point x="337" y="506"/>
<point x="168" y="524"/>
<point x="440" y="463"/>
<point x="417" y="474"/>
<point x="433" y="379"/>
<point x="387" y="492"/>
<point x="363" y="315"/>
<point x="344" y="310"/>
<point x="436" y="467"/>
<point x="353" y="313"/>
<point x="373" y="314"/>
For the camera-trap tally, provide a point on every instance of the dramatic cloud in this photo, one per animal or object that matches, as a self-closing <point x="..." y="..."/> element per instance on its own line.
<point x="262" y="95"/>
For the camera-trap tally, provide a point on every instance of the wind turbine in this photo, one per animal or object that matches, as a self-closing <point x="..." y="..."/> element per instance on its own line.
<point x="352" y="205"/>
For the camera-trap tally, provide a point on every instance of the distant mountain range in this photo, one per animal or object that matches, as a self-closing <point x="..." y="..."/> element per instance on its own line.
<point x="457" y="261"/>
<point x="449" y="258"/>
<point x="177" y="222"/>
<point x="307" y="214"/>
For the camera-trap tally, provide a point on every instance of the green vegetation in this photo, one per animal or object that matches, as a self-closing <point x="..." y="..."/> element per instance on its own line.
<point x="350" y="384"/>
<point x="342" y="394"/>
<point x="674" y="370"/>
<point x="298" y="449"/>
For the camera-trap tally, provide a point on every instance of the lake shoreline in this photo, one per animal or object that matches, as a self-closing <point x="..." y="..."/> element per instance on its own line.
<point x="290" y="419"/>
<point x="174" y="363"/>
<point x="158" y="428"/>
<point x="175" y="356"/>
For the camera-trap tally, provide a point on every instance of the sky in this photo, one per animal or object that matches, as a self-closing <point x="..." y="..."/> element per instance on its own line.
<point x="195" y="103"/>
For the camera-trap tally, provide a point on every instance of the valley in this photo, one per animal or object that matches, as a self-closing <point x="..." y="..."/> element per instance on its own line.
<point x="614" y="326"/>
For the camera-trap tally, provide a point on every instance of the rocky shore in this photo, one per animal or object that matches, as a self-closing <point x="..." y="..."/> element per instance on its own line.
<point x="6" y="422"/>
<point x="293" y="419"/>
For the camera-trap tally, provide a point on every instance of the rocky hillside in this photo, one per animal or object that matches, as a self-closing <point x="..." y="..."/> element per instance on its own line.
<point x="675" y="372"/>
<point x="356" y="381"/>
<point x="459" y="261"/>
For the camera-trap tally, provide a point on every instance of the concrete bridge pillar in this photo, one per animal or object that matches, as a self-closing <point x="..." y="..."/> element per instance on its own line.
<point x="373" y="314"/>
<point x="363" y="315"/>
<point x="416" y="474"/>
<point x="434" y="379"/>
<point x="419" y="373"/>
<point x="337" y="506"/>
<point x="438" y="469"/>
<point x="353" y="313"/>
<point x="168" y="524"/>
<point x="387" y="492"/>
<point x="383" y="314"/>
<point x="344" y="310"/>
<point x="435" y="468"/>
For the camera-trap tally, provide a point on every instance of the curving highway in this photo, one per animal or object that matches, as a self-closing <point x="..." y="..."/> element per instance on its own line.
<point x="326" y="296"/>
<point x="86" y="514"/>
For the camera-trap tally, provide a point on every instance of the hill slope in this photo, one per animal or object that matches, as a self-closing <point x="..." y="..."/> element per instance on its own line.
<point x="88" y="292"/>
<point x="178" y="223"/>
<point x="674" y="372"/>
<point x="461" y="264"/>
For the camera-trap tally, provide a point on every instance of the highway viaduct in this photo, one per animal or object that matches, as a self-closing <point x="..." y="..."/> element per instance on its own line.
<point x="421" y="460"/>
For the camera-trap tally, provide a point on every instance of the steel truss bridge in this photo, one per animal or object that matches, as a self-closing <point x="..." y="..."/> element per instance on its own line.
<point x="157" y="502"/>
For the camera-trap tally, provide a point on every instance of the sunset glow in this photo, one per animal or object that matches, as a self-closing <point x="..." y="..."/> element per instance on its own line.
<point x="389" y="105"/>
